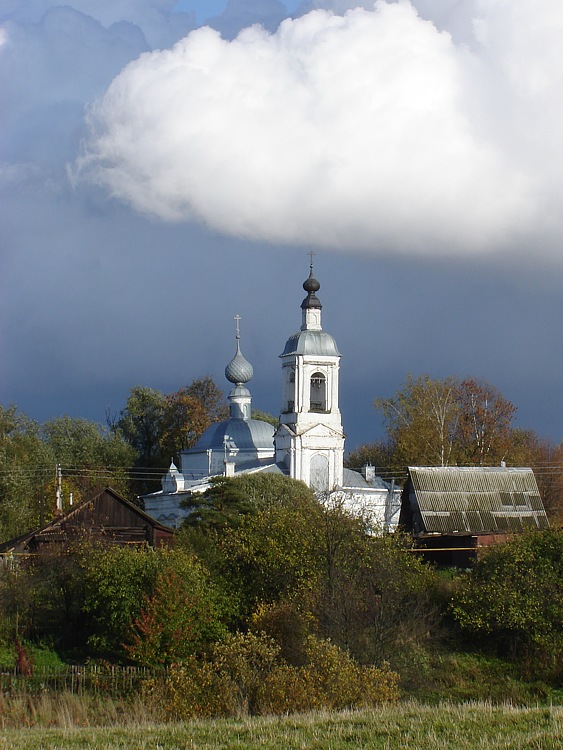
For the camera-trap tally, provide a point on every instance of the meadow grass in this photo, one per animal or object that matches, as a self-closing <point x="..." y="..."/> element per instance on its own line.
<point x="409" y="726"/>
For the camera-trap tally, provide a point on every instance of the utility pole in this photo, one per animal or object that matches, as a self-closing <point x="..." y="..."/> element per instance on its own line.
<point x="59" y="480"/>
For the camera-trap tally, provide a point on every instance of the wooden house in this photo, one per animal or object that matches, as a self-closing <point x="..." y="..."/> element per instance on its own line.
<point x="454" y="511"/>
<point x="107" y="517"/>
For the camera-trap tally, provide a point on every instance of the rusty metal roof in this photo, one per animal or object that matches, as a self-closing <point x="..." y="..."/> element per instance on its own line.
<point x="475" y="499"/>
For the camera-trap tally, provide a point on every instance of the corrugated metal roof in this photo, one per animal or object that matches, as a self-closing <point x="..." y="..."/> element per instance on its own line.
<point x="474" y="499"/>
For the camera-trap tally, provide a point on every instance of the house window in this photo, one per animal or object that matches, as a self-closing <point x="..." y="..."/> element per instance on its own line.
<point x="317" y="398"/>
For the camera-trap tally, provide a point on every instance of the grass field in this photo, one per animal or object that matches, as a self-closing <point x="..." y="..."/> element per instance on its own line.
<point x="408" y="726"/>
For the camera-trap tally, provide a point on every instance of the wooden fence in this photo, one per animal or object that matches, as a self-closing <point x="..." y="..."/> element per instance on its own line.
<point x="94" y="679"/>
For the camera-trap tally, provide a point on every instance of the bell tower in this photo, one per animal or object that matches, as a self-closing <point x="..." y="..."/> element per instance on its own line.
<point x="310" y="438"/>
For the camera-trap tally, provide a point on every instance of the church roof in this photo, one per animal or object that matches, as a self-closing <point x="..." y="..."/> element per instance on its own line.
<point x="311" y="342"/>
<point x="242" y="434"/>
<point x="353" y="479"/>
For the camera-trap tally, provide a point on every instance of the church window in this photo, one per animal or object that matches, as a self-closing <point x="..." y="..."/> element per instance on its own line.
<point x="289" y="391"/>
<point x="319" y="473"/>
<point x="318" y="392"/>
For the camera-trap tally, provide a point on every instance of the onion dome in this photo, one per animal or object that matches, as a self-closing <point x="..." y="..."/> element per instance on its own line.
<point x="311" y="285"/>
<point x="239" y="370"/>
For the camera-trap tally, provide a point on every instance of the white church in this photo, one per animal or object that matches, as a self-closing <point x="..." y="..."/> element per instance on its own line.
<point x="307" y="445"/>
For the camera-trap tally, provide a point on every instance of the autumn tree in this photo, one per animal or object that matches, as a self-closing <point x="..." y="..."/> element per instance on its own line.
<point x="546" y="459"/>
<point x="422" y="420"/>
<point x="380" y="454"/>
<point x="445" y="422"/>
<point x="484" y="433"/>
<point x="210" y="396"/>
<point x="189" y="412"/>
<point x="159" y="426"/>
<point x="184" y="420"/>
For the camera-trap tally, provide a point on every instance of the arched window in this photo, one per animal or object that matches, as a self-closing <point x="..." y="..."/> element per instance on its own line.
<point x="319" y="473"/>
<point x="317" y="399"/>
<point x="289" y="391"/>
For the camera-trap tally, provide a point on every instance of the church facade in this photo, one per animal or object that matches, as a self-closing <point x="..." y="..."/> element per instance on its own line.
<point x="307" y="445"/>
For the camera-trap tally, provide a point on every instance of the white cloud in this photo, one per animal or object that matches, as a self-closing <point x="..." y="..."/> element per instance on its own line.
<point x="371" y="130"/>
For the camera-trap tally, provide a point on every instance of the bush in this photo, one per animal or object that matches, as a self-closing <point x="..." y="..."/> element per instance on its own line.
<point x="515" y="594"/>
<point x="247" y="676"/>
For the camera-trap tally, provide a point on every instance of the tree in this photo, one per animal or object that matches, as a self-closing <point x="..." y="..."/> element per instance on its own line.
<point x="380" y="454"/>
<point x="265" y="417"/>
<point x="183" y="422"/>
<point x="141" y="424"/>
<point x="546" y="459"/>
<point x="422" y="420"/>
<point x="513" y="599"/>
<point x="223" y="505"/>
<point x="180" y="618"/>
<point x="445" y="422"/>
<point x="210" y="396"/>
<point x="261" y="535"/>
<point x="376" y="600"/>
<point x="116" y="582"/>
<point x="26" y="465"/>
<point x="159" y="426"/>
<point x="90" y="455"/>
<point x="484" y="432"/>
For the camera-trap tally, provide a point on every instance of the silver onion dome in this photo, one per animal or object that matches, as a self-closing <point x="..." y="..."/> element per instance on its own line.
<point x="239" y="370"/>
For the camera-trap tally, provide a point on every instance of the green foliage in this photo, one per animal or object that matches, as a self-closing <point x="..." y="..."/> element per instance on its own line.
<point x="223" y="505"/>
<point x="288" y="624"/>
<point x="180" y="618"/>
<point x="515" y="594"/>
<point x="25" y="465"/>
<point x="274" y="551"/>
<point x="92" y="456"/>
<point x="140" y="423"/>
<point x="247" y="675"/>
<point x="265" y="417"/>
<point x="158" y="426"/>
<point x="444" y="422"/>
<point x="116" y="579"/>
<point x="376" y="599"/>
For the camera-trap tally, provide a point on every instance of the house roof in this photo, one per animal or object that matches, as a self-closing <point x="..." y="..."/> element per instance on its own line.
<point x="472" y="499"/>
<point x="107" y="513"/>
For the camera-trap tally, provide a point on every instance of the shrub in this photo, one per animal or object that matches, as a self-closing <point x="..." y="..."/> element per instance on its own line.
<point x="247" y="676"/>
<point x="515" y="593"/>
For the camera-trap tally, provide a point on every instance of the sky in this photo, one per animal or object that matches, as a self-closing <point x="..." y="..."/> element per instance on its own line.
<point x="167" y="165"/>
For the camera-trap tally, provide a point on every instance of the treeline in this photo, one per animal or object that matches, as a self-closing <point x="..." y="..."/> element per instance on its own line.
<point x="272" y="601"/>
<point x="129" y="452"/>
<point x="428" y="422"/>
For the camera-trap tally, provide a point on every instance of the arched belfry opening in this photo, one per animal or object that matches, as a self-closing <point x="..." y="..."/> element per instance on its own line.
<point x="317" y="398"/>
